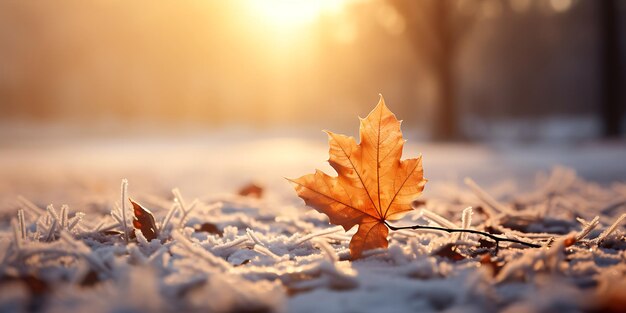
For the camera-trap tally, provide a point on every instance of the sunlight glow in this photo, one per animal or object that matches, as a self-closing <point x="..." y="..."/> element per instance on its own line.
<point x="290" y="13"/>
<point x="561" y="5"/>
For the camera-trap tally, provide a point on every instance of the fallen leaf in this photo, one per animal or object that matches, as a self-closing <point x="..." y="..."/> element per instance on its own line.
<point x="448" y="252"/>
<point x="208" y="228"/>
<point x="489" y="262"/>
<point x="35" y="285"/>
<point x="569" y="241"/>
<point x="418" y="203"/>
<point x="480" y="210"/>
<point x="484" y="243"/>
<point x="373" y="185"/>
<point x="90" y="279"/>
<point x="144" y="221"/>
<point x="251" y="190"/>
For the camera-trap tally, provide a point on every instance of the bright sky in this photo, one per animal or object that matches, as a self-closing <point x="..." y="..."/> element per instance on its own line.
<point x="286" y="14"/>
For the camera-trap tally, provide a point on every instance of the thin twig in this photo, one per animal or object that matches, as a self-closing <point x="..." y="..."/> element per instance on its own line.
<point x="52" y="230"/>
<point x="442" y="221"/>
<point x="183" y="207"/>
<point x="587" y="227"/>
<point x="485" y="197"/>
<point x="22" y="223"/>
<point x="63" y="222"/>
<point x="471" y="231"/>
<point x="610" y="229"/>
<point x="124" y="191"/>
<point x="75" y="220"/>
<point x="16" y="235"/>
<point x="52" y="213"/>
<point x="466" y="221"/>
<point x="168" y="217"/>
<point x="317" y="234"/>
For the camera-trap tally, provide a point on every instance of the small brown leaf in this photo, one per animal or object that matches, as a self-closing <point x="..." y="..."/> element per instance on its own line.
<point x="208" y="228"/>
<point x="480" y="210"/>
<point x="446" y="251"/>
<point x="35" y="285"/>
<point x="569" y="241"/>
<point x="251" y="190"/>
<point x="487" y="260"/>
<point x="90" y="279"/>
<point x="144" y="221"/>
<point x="418" y="203"/>
<point x="484" y="243"/>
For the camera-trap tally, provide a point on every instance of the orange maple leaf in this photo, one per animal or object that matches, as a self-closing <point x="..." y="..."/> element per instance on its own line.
<point x="373" y="185"/>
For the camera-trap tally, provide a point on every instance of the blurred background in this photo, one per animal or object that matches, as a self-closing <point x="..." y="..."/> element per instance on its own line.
<point x="209" y="95"/>
<point x="452" y="69"/>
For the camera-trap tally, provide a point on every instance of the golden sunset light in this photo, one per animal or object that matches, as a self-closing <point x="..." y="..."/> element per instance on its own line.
<point x="289" y="14"/>
<point x="305" y="156"/>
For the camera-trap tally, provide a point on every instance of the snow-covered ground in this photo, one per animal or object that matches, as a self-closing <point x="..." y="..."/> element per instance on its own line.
<point x="274" y="254"/>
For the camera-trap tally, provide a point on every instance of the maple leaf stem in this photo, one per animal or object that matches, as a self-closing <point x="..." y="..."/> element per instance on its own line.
<point x="497" y="239"/>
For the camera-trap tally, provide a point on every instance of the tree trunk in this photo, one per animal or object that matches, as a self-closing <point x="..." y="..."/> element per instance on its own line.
<point x="611" y="104"/>
<point x="446" y="127"/>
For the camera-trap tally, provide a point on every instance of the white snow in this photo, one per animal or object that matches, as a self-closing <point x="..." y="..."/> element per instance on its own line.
<point x="276" y="255"/>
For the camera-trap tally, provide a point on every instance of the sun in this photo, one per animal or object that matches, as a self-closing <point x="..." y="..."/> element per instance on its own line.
<point x="293" y="13"/>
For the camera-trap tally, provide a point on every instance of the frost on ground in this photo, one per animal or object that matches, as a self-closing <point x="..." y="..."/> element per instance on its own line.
<point x="233" y="254"/>
<point x="223" y="252"/>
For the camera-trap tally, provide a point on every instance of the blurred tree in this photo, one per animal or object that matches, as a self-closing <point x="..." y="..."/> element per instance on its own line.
<point x="611" y="80"/>
<point x="436" y="29"/>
